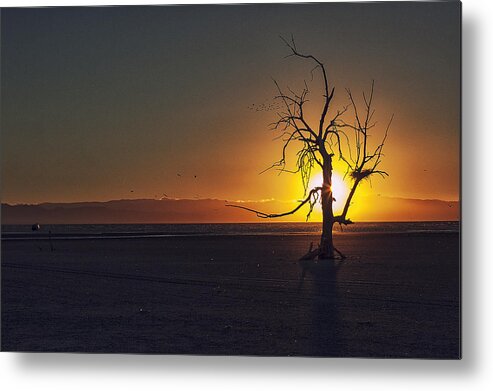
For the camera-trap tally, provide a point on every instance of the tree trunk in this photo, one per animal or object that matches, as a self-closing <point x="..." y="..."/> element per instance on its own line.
<point x="326" y="243"/>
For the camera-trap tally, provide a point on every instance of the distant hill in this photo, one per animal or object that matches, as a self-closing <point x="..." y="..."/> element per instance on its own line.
<point x="375" y="208"/>
<point x="215" y="211"/>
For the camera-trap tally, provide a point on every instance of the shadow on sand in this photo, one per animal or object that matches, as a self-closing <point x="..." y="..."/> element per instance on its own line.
<point x="319" y="279"/>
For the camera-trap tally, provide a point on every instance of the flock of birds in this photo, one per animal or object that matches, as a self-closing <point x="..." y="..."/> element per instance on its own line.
<point x="266" y="106"/>
<point x="164" y="195"/>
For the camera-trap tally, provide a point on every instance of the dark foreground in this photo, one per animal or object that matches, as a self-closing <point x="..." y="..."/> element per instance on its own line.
<point x="397" y="295"/>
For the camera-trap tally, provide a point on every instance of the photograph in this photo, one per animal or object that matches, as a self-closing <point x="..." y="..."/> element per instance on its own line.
<point x="275" y="179"/>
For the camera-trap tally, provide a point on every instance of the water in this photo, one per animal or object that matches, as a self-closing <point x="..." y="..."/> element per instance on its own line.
<point x="80" y="231"/>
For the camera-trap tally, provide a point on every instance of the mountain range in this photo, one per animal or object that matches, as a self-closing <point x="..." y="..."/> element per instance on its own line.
<point x="149" y="211"/>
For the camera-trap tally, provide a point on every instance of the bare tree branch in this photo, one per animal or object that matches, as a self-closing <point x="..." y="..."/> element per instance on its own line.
<point x="264" y="215"/>
<point x="327" y="97"/>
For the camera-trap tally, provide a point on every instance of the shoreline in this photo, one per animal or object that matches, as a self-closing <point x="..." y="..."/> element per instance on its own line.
<point x="132" y="235"/>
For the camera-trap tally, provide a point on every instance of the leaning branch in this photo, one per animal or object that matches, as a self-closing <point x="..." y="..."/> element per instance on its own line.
<point x="275" y="215"/>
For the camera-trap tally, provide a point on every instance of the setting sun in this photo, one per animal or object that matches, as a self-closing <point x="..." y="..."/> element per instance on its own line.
<point x="340" y="190"/>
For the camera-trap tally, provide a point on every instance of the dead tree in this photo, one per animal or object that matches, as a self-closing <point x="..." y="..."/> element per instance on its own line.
<point x="332" y="136"/>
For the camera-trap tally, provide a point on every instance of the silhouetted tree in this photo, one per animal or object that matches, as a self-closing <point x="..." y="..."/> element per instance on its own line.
<point x="332" y="136"/>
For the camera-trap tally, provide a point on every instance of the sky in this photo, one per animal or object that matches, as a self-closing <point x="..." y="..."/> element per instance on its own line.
<point x="140" y="102"/>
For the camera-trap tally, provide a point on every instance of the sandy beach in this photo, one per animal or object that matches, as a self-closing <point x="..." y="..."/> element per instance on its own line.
<point x="396" y="295"/>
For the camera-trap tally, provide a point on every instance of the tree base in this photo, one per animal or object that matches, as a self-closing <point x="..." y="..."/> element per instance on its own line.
<point x="318" y="254"/>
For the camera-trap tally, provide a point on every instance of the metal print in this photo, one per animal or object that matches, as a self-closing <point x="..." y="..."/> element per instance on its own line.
<point x="273" y="179"/>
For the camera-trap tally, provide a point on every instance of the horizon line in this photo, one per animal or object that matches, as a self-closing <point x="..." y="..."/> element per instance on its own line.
<point x="204" y="199"/>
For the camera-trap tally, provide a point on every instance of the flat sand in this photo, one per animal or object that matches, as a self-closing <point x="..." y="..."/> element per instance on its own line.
<point x="396" y="295"/>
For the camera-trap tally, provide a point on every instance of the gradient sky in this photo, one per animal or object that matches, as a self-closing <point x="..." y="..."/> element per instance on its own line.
<point x="114" y="102"/>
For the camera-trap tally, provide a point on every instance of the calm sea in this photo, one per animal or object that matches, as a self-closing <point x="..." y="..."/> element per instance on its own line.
<point x="86" y="231"/>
